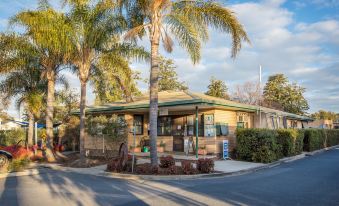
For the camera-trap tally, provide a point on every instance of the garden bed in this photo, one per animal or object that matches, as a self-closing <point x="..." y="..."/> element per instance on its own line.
<point x="167" y="166"/>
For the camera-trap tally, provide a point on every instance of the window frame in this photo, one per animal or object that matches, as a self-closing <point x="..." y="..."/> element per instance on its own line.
<point x="141" y="125"/>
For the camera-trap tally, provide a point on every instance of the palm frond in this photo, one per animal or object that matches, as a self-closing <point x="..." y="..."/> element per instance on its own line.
<point x="215" y="15"/>
<point x="186" y="35"/>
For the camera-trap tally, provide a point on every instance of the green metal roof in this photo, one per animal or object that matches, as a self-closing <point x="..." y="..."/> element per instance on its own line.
<point x="183" y="98"/>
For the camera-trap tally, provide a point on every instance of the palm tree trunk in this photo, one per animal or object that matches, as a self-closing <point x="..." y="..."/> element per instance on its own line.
<point x="153" y="111"/>
<point x="82" y="118"/>
<point x="50" y="111"/>
<point x="30" y="129"/>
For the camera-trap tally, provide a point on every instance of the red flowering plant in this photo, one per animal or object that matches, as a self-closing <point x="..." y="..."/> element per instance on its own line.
<point x="18" y="152"/>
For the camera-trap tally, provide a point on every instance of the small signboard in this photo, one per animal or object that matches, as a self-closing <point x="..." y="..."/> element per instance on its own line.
<point x="163" y="111"/>
<point x="225" y="149"/>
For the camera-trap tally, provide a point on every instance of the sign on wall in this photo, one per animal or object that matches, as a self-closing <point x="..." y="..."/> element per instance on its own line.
<point x="225" y="149"/>
<point x="163" y="111"/>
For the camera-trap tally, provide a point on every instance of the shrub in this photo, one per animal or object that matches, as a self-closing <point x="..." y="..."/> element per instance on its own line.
<point x="166" y="161"/>
<point x="172" y="170"/>
<point x="17" y="165"/>
<point x="314" y="139"/>
<point x="205" y="165"/>
<point x="146" y="169"/>
<point x="332" y="137"/>
<point x="290" y="141"/>
<point x="114" y="165"/>
<point x="258" y="145"/>
<point x="18" y="152"/>
<point x="187" y="167"/>
<point x="12" y="137"/>
<point x="299" y="142"/>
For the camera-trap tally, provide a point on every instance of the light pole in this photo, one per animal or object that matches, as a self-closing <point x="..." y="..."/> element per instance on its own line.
<point x="259" y="102"/>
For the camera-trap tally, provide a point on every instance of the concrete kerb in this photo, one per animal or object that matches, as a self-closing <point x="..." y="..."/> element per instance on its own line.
<point x="167" y="177"/>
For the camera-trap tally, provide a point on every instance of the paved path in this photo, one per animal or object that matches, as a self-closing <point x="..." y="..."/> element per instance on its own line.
<point x="310" y="181"/>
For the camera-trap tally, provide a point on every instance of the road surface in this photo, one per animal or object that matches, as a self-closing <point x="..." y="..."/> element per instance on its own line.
<point x="310" y="181"/>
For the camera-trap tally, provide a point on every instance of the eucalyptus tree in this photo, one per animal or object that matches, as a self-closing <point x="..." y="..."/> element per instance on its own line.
<point x="29" y="89"/>
<point x="95" y="29"/>
<point x="47" y="30"/>
<point x="186" y="20"/>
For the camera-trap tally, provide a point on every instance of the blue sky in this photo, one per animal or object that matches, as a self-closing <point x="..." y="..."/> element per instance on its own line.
<point x="296" y="37"/>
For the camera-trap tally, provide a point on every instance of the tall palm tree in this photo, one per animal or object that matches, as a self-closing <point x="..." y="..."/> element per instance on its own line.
<point x="47" y="31"/>
<point x="94" y="31"/>
<point x="186" y="20"/>
<point x="29" y="89"/>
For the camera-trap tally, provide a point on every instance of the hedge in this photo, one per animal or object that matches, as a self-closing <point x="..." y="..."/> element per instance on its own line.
<point x="257" y="145"/>
<point x="314" y="139"/>
<point x="332" y="137"/>
<point x="291" y="141"/>
<point x="266" y="145"/>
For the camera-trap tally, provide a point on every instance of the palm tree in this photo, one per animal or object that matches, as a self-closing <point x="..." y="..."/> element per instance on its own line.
<point x="46" y="29"/>
<point x="94" y="31"/>
<point x="186" y="20"/>
<point x="29" y="89"/>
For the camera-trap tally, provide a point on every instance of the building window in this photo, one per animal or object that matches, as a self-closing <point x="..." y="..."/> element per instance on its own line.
<point x="138" y="123"/>
<point x="191" y="125"/>
<point x="209" y="125"/>
<point x="164" y="126"/>
<point x="221" y="129"/>
<point x="243" y="120"/>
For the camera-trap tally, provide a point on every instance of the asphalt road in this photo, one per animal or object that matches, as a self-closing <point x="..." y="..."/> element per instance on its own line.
<point x="310" y="181"/>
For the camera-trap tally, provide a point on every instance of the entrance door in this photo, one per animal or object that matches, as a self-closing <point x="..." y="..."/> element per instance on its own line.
<point x="178" y="134"/>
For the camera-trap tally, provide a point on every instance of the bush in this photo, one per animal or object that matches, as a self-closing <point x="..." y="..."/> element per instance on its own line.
<point x="258" y="145"/>
<point x="166" y="161"/>
<point x="12" y="137"/>
<point x="187" y="167"/>
<point x="114" y="165"/>
<point x="332" y="137"/>
<point x="172" y="170"/>
<point x="205" y="165"/>
<point x="290" y="141"/>
<point x="299" y="142"/>
<point x="18" y="152"/>
<point x="314" y="139"/>
<point x="17" y="165"/>
<point x="147" y="169"/>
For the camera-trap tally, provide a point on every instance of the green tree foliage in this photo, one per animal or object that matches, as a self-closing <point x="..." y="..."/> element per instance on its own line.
<point x="326" y="115"/>
<point x="114" y="80"/>
<point x="67" y="100"/>
<point x="188" y="22"/>
<point x="279" y="91"/>
<point x="94" y="29"/>
<point x="217" y="88"/>
<point x="28" y="88"/>
<point x="168" y="77"/>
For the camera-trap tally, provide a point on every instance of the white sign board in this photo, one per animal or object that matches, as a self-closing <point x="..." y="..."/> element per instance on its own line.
<point x="225" y="149"/>
<point x="163" y="112"/>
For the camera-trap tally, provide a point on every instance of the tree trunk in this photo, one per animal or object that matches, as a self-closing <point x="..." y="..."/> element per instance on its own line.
<point x="50" y="111"/>
<point x="153" y="111"/>
<point x="30" y="129"/>
<point x="82" y="118"/>
<point x="50" y="155"/>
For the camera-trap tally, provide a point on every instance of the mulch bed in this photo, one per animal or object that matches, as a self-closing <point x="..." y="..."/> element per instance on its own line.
<point x="73" y="160"/>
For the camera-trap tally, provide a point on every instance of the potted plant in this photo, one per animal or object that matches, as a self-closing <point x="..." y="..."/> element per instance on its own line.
<point x="202" y="150"/>
<point x="161" y="147"/>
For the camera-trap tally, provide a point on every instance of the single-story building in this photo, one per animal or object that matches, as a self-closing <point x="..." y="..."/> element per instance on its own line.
<point x="217" y="120"/>
<point x="321" y="124"/>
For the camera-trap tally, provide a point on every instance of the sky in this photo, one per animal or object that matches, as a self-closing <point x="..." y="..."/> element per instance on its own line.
<point x="298" y="38"/>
